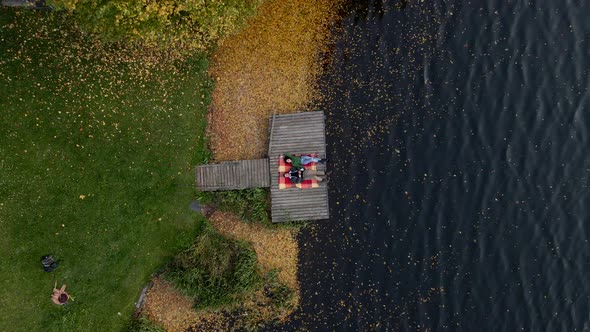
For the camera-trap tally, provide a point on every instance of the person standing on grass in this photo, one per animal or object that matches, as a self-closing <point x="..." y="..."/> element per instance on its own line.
<point x="59" y="296"/>
<point x="299" y="161"/>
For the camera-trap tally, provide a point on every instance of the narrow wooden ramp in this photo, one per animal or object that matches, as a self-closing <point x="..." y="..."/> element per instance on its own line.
<point x="300" y="133"/>
<point x="232" y="175"/>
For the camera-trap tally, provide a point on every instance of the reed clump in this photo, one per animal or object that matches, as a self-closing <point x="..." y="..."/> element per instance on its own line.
<point x="214" y="271"/>
<point x="275" y="247"/>
<point x="251" y="205"/>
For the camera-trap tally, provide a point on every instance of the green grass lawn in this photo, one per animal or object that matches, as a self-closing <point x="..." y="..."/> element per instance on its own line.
<point x="96" y="157"/>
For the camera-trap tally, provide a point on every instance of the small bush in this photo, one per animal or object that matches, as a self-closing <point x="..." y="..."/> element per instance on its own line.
<point x="214" y="271"/>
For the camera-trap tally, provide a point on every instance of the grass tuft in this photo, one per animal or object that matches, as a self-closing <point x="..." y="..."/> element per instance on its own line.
<point x="142" y="324"/>
<point x="279" y="294"/>
<point x="252" y="205"/>
<point x="214" y="271"/>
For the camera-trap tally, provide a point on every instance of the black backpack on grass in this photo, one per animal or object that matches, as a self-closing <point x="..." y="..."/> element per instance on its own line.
<point x="49" y="263"/>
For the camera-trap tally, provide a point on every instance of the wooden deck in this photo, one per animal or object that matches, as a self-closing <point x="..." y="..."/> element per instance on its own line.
<point x="300" y="133"/>
<point x="232" y="175"/>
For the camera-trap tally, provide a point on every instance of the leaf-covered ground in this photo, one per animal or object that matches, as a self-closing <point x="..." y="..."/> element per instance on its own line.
<point x="97" y="147"/>
<point x="272" y="66"/>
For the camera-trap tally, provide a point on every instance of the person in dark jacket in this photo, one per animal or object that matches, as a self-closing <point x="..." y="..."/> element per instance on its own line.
<point x="296" y="175"/>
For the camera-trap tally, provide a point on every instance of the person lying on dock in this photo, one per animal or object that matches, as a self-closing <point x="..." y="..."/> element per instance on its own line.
<point x="296" y="175"/>
<point x="299" y="161"/>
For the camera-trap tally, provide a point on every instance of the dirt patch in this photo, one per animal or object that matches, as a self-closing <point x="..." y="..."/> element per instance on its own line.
<point x="272" y="66"/>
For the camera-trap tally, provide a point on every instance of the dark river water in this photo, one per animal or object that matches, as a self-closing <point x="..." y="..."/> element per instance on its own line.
<point x="458" y="133"/>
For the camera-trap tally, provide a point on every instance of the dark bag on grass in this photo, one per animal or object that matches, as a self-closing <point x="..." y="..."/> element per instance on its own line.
<point x="49" y="263"/>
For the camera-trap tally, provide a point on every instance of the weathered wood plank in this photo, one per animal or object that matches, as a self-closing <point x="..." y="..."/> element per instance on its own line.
<point x="290" y="131"/>
<point x="291" y="199"/>
<point x="234" y="175"/>
<point x="297" y="215"/>
<point x="318" y="200"/>
<point x="301" y="115"/>
<point x="294" y="216"/>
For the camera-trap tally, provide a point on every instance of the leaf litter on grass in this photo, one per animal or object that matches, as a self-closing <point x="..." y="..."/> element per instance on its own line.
<point x="91" y="129"/>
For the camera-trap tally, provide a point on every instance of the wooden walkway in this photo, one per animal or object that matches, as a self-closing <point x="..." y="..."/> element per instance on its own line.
<point x="232" y="175"/>
<point x="300" y="133"/>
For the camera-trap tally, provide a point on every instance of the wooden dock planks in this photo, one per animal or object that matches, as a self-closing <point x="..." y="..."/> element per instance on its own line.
<point x="232" y="175"/>
<point x="300" y="133"/>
